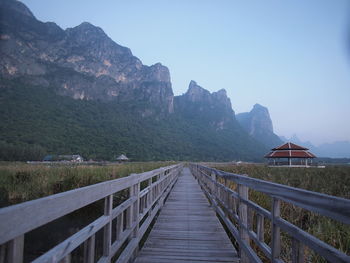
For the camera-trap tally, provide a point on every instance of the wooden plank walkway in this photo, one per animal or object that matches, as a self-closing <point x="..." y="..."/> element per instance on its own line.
<point x="187" y="229"/>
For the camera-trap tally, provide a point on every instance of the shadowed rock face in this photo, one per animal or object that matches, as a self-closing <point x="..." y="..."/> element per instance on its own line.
<point x="214" y="107"/>
<point x="196" y="93"/>
<point x="80" y="62"/>
<point x="258" y="124"/>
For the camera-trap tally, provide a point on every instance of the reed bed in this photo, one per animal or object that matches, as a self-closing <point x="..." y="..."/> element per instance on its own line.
<point x="21" y="182"/>
<point x="332" y="180"/>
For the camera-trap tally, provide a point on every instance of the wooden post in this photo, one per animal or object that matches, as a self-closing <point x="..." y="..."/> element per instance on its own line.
<point x="2" y="252"/>
<point x="297" y="251"/>
<point x="107" y="230"/>
<point x="15" y="250"/>
<point x="66" y="259"/>
<point x="260" y="227"/>
<point x="136" y="208"/>
<point x="214" y="189"/>
<point x="250" y="219"/>
<point x="276" y="235"/>
<point x="134" y="213"/>
<point x="119" y="226"/>
<point x="243" y="221"/>
<point x="234" y="204"/>
<point x="149" y="196"/>
<point x="89" y="250"/>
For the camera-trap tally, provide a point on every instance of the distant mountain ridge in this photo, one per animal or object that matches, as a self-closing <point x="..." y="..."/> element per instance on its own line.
<point x="76" y="91"/>
<point x="338" y="149"/>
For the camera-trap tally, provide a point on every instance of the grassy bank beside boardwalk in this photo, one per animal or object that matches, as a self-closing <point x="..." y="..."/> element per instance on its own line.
<point x="332" y="180"/>
<point x="21" y="182"/>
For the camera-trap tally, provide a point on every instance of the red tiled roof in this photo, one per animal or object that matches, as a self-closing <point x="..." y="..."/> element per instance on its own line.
<point x="289" y="146"/>
<point x="290" y="154"/>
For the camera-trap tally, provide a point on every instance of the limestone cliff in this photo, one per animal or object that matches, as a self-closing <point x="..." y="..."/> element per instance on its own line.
<point x="80" y="62"/>
<point x="258" y="124"/>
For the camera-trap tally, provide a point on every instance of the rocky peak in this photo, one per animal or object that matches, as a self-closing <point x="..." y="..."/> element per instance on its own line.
<point x="196" y="93"/>
<point x="86" y="28"/>
<point x="258" y="124"/>
<point x="261" y="118"/>
<point x="15" y="6"/>
<point x="88" y="35"/>
<point x="213" y="108"/>
<point x="86" y="32"/>
<point x="221" y="97"/>
<point x="158" y="72"/>
<point x="259" y="108"/>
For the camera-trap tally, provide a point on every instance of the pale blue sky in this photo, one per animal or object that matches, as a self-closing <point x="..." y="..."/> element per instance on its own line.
<point x="292" y="56"/>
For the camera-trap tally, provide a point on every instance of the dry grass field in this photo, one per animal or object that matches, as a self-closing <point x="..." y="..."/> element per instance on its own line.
<point x="21" y="182"/>
<point x="332" y="180"/>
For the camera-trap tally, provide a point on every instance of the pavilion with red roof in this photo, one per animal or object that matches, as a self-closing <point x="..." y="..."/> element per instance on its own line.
<point x="290" y="154"/>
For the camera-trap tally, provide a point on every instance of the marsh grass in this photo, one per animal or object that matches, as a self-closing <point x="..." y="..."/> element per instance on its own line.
<point x="21" y="182"/>
<point x="333" y="180"/>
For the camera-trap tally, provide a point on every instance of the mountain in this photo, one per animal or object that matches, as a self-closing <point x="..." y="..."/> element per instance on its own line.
<point x="76" y="91"/>
<point x="198" y="103"/>
<point x="80" y="62"/>
<point x="210" y="115"/>
<point x="258" y="124"/>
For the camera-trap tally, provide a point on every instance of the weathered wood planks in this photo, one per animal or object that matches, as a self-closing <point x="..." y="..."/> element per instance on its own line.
<point x="187" y="229"/>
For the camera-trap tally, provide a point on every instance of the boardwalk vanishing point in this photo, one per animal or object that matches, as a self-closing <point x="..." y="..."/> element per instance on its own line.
<point x="187" y="229"/>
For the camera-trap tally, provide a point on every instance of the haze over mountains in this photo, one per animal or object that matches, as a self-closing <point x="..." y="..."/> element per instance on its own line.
<point x="77" y="91"/>
<point x="339" y="149"/>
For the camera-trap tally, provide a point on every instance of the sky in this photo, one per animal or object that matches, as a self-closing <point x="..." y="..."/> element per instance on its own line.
<point x="292" y="56"/>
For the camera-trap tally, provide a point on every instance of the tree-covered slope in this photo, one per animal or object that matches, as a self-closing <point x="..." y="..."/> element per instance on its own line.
<point x="36" y="121"/>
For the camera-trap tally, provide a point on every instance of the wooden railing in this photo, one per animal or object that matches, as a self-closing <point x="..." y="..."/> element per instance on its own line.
<point x="237" y="212"/>
<point x="131" y="218"/>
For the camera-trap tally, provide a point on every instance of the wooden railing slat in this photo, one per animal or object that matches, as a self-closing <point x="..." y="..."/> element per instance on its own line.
<point x="15" y="250"/>
<point x="260" y="228"/>
<point x="327" y="205"/>
<point x="119" y="226"/>
<point x="330" y="206"/>
<point x="243" y="220"/>
<point x="297" y="251"/>
<point x="107" y="229"/>
<point x="86" y="236"/>
<point x="14" y="219"/>
<point x="320" y="247"/>
<point x="276" y="235"/>
<point x="74" y="241"/>
<point x="89" y="250"/>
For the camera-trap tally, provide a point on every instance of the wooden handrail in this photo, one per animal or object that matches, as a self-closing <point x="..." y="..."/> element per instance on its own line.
<point x="19" y="219"/>
<point x="231" y="205"/>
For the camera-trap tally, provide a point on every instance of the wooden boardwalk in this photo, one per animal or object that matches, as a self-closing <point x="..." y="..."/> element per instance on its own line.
<point x="187" y="229"/>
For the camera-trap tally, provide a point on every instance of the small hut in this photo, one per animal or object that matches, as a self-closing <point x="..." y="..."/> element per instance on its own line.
<point x="122" y="158"/>
<point x="290" y="154"/>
